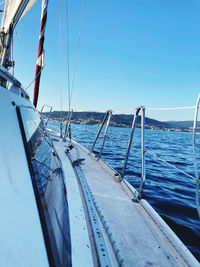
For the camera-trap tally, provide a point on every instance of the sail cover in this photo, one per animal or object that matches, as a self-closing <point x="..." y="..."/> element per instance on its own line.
<point x="13" y="11"/>
<point x="28" y="7"/>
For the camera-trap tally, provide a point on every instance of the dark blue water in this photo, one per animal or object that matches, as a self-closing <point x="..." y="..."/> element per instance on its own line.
<point x="171" y="193"/>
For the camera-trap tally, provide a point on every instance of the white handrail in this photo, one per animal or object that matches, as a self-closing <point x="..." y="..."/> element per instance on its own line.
<point x="194" y="156"/>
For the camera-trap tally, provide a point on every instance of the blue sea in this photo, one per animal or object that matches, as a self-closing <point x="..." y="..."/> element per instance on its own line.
<point x="171" y="193"/>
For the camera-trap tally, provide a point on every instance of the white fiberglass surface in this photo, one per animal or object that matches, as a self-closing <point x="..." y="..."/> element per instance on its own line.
<point x="21" y="237"/>
<point x="81" y="252"/>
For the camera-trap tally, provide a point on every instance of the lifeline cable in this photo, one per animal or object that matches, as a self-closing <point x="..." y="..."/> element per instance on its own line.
<point x="175" y="108"/>
<point x="167" y="163"/>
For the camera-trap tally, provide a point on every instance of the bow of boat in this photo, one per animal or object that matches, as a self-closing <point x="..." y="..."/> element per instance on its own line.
<point x="107" y="222"/>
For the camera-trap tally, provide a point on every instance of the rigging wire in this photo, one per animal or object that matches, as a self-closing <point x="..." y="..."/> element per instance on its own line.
<point x="68" y="69"/>
<point x="78" y="49"/>
<point x="68" y="59"/>
<point x="61" y="117"/>
<point x="34" y="78"/>
<point x="71" y="88"/>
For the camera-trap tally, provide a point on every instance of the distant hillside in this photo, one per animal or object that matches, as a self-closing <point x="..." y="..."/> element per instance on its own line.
<point x="182" y="124"/>
<point x="120" y="120"/>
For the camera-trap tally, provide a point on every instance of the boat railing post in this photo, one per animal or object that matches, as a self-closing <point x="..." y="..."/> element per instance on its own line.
<point x="68" y="126"/>
<point x="130" y="142"/>
<point x="105" y="133"/>
<point x="42" y="108"/>
<point x="61" y="129"/>
<point x="194" y="156"/>
<point x="143" y="151"/>
<point x="100" y="129"/>
<point x="49" y="116"/>
<point x="50" y="110"/>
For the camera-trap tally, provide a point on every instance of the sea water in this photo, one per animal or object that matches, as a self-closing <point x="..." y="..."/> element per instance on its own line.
<point x="170" y="192"/>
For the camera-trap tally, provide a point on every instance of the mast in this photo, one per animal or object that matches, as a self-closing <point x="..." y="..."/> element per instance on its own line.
<point x="13" y="11"/>
<point x="40" y="55"/>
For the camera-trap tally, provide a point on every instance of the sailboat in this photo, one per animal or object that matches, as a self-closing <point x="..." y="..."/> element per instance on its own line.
<point x="77" y="211"/>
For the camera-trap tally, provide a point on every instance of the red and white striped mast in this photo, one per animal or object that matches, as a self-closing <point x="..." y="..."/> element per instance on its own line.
<point x="40" y="55"/>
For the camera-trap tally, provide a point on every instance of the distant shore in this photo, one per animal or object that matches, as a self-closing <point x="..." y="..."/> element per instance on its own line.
<point x="121" y="120"/>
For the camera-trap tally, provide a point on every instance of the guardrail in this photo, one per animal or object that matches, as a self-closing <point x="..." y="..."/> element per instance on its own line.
<point x="144" y="150"/>
<point x="106" y="122"/>
<point x="106" y="118"/>
<point x="50" y="107"/>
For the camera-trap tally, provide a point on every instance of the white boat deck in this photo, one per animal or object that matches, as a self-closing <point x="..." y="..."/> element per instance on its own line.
<point x="141" y="237"/>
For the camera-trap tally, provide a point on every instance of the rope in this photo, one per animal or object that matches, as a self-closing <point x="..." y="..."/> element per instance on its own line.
<point x="167" y="163"/>
<point x="194" y="156"/>
<point x="77" y="50"/>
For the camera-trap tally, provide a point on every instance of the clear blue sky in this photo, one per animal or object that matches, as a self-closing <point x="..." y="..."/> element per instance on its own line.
<point x="133" y="52"/>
